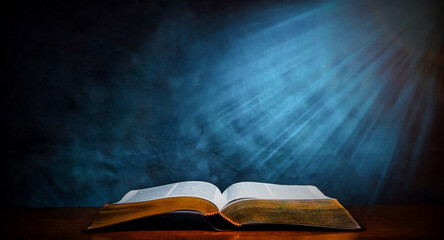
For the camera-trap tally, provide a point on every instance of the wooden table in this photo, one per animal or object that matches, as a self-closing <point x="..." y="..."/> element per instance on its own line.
<point x="380" y="222"/>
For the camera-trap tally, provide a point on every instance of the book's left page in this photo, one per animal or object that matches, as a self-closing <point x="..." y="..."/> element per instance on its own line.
<point x="196" y="189"/>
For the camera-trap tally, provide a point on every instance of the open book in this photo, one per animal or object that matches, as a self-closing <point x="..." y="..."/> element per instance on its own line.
<point x="242" y="203"/>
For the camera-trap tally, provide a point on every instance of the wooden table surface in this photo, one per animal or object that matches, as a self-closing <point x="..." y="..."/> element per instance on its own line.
<point x="380" y="222"/>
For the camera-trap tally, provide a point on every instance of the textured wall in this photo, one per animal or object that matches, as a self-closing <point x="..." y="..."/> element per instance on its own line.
<point x="104" y="97"/>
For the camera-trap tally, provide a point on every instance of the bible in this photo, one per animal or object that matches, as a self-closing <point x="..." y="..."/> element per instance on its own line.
<point x="241" y="204"/>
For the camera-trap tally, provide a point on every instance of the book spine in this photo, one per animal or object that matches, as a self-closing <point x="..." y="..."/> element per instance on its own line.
<point x="229" y="220"/>
<point x="220" y="222"/>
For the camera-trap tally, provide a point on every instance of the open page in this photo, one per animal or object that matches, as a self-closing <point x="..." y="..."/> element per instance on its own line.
<point x="271" y="191"/>
<point x="197" y="189"/>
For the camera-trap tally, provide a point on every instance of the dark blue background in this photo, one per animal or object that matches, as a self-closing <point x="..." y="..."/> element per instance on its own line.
<point x="101" y="97"/>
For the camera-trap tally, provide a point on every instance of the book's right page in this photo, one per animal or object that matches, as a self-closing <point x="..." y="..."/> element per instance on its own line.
<point x="255" y="190"/>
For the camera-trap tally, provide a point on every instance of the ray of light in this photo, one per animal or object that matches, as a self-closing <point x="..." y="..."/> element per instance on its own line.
<point x="334" y="91"/>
